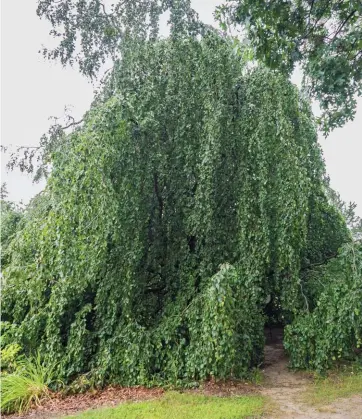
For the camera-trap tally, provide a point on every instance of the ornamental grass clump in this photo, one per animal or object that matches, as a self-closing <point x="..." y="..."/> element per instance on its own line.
<point x="26" y="386"/>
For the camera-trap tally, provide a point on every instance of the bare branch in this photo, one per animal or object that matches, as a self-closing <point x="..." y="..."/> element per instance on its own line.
<point x="72" y="124"/>
<point x="343" y="24"/>
<point x="310" y="12"/>
<point x="316" y="22"/>
<point x="27" y="147"/>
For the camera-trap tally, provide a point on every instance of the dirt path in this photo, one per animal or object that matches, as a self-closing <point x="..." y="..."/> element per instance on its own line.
<point x="285" y="389"/>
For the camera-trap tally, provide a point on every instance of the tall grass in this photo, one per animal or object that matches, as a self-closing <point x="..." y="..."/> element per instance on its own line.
<point x="25" y="387"/>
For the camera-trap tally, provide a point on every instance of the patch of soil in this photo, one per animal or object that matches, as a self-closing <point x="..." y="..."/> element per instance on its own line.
<point x="226" y="388"/>
<point x="59" y="405"/>
<point x="285" y="388"/>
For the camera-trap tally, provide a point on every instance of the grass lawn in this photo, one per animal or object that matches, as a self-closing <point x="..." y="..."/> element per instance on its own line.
<point x="183" y="406"/>
<point x="327" y="390"/>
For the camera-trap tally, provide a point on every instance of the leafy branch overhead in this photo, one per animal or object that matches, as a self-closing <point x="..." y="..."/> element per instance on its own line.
<point x="37" y="159"/>
<point x="92" y="31"/>
<point x="323" y="36"/>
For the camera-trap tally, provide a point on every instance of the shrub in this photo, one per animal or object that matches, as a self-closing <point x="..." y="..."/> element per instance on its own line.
<point x="10" y="357"/>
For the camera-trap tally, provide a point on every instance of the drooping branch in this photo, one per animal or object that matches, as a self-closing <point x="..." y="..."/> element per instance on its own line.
<point x="32" y="159"/>
<point x="158" y="195"/>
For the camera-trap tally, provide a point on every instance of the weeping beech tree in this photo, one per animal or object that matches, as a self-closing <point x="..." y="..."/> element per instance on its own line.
<point x="193" y="192"/>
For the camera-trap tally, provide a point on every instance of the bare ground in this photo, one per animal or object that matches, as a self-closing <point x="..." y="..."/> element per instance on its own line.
<point x="285" y="389"/>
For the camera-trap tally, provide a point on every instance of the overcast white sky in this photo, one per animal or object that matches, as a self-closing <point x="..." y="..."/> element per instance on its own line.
<point x="33" y="89"/>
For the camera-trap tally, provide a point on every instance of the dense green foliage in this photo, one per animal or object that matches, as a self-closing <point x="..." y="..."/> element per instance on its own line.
<point x="324" y="37"/>
<point x="193" y="192"/>
<point x="333" y="328"/>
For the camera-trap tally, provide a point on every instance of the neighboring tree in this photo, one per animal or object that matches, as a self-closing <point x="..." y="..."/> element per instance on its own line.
<point x="15" y="216"/>
<point x="4" y="191"/>
<point x="11" y="215"/>
<point x="323" y="36"/>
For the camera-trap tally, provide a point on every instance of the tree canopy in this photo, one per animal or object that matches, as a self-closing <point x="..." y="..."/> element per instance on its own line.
<point x="11" y="216"/>
<point x="324" y="37"/>
<point x="194" y="189"/>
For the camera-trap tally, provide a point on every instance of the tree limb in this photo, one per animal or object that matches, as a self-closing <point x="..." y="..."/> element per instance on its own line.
<point x="343" y="24"/>
<point x="72" y="124"/>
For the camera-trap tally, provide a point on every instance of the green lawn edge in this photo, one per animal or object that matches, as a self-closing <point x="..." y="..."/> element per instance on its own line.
<point x="174" y="405"/>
